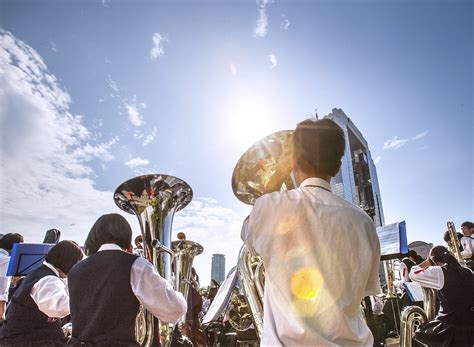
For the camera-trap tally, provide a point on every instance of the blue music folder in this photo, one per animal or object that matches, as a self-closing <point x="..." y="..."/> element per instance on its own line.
<point x="26" y="257"/>
<point x="393" y="240"/>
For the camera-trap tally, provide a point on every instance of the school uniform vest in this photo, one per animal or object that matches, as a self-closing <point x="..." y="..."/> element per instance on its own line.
<point x="455" y="298"/>
<point x="103" y="305"/>
<point x="24" y="321"/>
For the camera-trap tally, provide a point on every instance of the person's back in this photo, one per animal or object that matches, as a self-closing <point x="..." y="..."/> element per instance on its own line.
<point x="321" y="261"/>
<point x="111" y="315"/>
<point x="321" y="253"/>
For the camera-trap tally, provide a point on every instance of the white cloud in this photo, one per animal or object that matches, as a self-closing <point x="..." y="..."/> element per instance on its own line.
<point x="136" y="162"/>
<point x="233" y="69"/>
<point x="45" y="176"/>
<point x="106" y="3"/>
<point x="377" y="160"/>
<point x="113" y="85"/>
<point x="420" y="135"/>
<point x="261" y="24"/>
<point x="54" y="47"/>
<point x="150" y="138"/>
<point x="396" y="143"/>
<point x="157" y="45"/>
<point x="133" y="115"/>
<point x="285" y="23"/>
<point x="273" y="60"/>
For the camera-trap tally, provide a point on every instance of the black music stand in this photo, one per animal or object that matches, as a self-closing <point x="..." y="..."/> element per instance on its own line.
<point x="26" y="257"/>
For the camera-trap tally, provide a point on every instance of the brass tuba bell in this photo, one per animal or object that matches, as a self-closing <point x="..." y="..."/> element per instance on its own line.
<point x="154" y="199"/>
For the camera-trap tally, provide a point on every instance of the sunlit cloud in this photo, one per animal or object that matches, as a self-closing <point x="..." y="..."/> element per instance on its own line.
<point x="46" y="152"/>
<point x="396" y="143"/>
<point x="261" y="24"/>
<point x="150" y="138"/>
<point x="420" y="135"/>
<point x="133" y="115"/>
<point x="273" y="60"/>
<point x="106" y="3"/>
<point x="136" y="162"/>
<point x="157" y="45"/>
<point x="285" y="23"/>
<point x="377" y="159"/>
<point x="233" y="69"/>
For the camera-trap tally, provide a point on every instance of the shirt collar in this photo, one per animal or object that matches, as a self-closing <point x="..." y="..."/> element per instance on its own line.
<point x="4" y="252"/>
<point x="315" y="181"/>
<point x="110" y="247"/>
<point x="56" y="272"/>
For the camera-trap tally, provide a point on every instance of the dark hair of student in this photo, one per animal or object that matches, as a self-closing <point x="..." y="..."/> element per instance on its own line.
<point x="7" y="240"/>
<point x="64" y="255"/>
<point x="440" y="254"/>
<point x="109" y="228"/>
<point x="320" y="144"/>
<point x="467" y="224"/>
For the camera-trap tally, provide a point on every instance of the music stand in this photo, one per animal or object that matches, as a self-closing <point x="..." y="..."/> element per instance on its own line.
<point x="26" y="257"/>
<point x="393" y="240"/>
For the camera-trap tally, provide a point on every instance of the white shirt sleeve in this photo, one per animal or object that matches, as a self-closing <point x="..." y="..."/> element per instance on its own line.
<point x="431" y="277"/>
<point x="51" y="295"/>
<point x="4" y="279"/>
<point x="373" y="283"/>
<point x="403" y="270"/>
<point x="246" y="236"/>
<point x="466" y="244"/>
<point x="155" y="293"/>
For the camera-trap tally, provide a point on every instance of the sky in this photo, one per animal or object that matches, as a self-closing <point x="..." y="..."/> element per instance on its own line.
<point x="93" y="93"/>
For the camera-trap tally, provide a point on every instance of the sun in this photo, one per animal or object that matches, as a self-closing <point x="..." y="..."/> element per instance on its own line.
<point x="248" y="119"/>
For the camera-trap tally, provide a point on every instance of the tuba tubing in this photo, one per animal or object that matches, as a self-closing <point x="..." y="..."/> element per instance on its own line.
<point x="411" y="318"/>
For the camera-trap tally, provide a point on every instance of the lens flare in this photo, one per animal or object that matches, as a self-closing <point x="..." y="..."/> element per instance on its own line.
<point x="306" y="283"/>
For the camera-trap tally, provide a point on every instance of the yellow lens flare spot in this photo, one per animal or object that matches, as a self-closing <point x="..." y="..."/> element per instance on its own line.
<point x="305" y="308"/>
<point x="306" y="283"/>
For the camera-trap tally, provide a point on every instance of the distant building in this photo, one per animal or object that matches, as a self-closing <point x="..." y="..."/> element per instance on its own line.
<point x="357" y="180"/>
<point x="218" y="267"/>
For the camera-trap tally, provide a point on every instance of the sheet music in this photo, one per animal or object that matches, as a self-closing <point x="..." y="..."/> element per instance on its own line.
<point x="415" y="291"/>
<point x="389" y="236"/>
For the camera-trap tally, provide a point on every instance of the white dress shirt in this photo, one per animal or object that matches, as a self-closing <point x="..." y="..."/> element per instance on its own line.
<point x="431" y="277"/>
<point x="4" y="279"/>
<point x="468" y="245"/>
<point x="51" y="295"/>
<point x="321" y="257"/>
<point x="152" y="291"/>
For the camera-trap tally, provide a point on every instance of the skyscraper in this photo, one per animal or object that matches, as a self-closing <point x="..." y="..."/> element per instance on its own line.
<point x="218" y="267"/>
<point x="357" y="179"/>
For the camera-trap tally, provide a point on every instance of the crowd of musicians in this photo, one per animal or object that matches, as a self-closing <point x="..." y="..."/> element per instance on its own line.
<point x="321" y="257"/>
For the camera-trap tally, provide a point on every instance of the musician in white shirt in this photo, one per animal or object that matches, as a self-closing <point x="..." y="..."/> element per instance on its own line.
<point x="321" y="253"/>
<point x="41" y="300"/>
<point x="467" y="241"/>
<point x="6" y="244"/>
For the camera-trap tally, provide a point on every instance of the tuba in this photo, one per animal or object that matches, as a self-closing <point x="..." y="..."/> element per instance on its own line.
<point x="454" y="244"/>
<point x="263" y="168"/>
<point x="154" y="199"/>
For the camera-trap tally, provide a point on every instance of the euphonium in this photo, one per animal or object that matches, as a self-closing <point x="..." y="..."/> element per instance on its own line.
<point x="263" y="168"/>
<point x="411" y="318"/>
<point x="454" y="244"/>
<point x="154" y="199"/>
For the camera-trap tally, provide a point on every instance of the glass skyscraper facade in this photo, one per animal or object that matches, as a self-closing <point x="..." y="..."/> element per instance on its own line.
<point x="357" y="180"/>
<point x="218" y="267"/>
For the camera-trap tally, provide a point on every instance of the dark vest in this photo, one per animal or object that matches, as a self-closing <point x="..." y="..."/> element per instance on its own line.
<point x="103" y="306"/>
<point x="24" y="321"/>
<point x="456" y="297"/>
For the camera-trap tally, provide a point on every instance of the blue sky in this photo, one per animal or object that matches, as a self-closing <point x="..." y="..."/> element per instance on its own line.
<point x="121" y="88"/>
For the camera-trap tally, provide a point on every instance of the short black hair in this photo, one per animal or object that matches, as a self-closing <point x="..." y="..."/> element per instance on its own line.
<point x="7" y="240"/>
<point x="319" y="143"/>
<point x="467" y="224"/>
<point x="412" y="253"/>
<point x="109" y="228"/>
<point x="64" y="255"/>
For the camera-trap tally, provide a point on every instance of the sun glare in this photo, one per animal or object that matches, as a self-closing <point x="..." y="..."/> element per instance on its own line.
<point x="248" y="120"/>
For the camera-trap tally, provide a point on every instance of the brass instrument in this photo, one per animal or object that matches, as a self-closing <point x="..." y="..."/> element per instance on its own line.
<point x="184" y="253"/>
<point x="412" y="317"/>
<point x="263" y="168"/>
<point x="154" y="199"/>
<point x="454" y="244"/>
